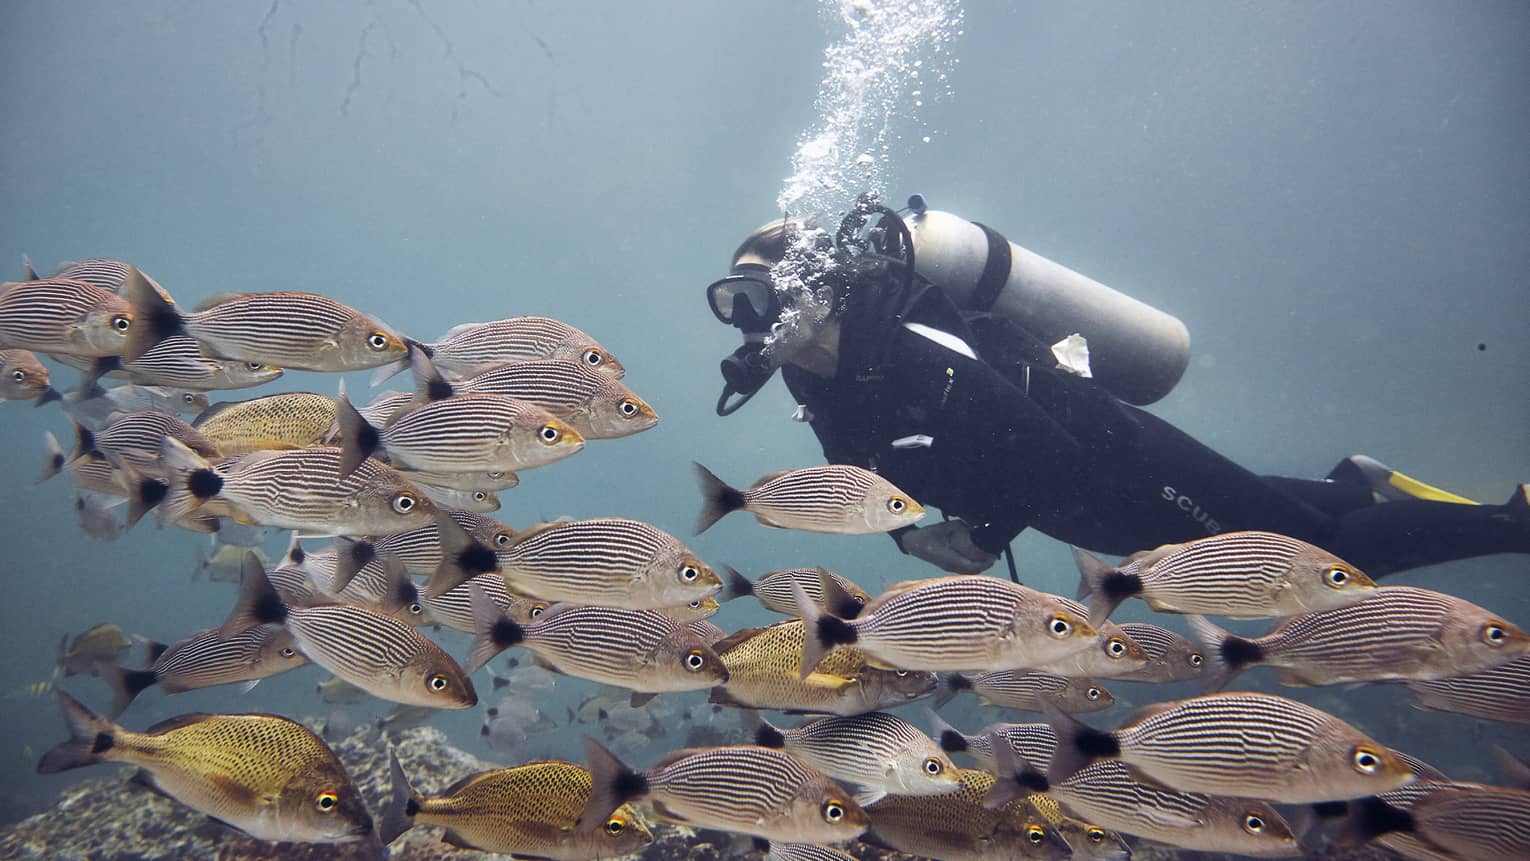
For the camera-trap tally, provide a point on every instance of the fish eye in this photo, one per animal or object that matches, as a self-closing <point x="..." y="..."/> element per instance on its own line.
<point x="833" y="811"/>
<point x="1366" y="761"/>
<point x="1253" y="823"/>
<point x="378" y="341"/>
<point x="592" y="358"/>
<point x="403" y="503"/>
<point x="549" y="434"/>
<point x="1059" y="627"/>
<point x="1095" y="835"/>
<point x="189" y="398"/>
<point x="1035" y="835"/>
<point x="19" y="376"/>
<point x="1337" y="577"/>
<point x="689" y="573"/>
<point x="897" y="505"/>
<point x="501" y="538"/>
<point x="628" y="408"/>
<point x="1196" y="660"/>
<point x="479" y="496"/>
<point x="1116" y="647"/>
<point x="1093" y="693"/>
<point x="288" y="651"/>
<point x="901" y="673"/>
<point x="437" y="682"/>
<point x="254" y="366"/>
<point x="326" y="801"/>
<point x="537" y="611"/>
<point x="695" y="660"/>
<point x="1494" y="635"/>
<point x="695" y="605"/>
<point x="415" y="609"/>
<point x="933" y="767"/>
<point x="122" y="323"/>
<point x="615" y="826"/>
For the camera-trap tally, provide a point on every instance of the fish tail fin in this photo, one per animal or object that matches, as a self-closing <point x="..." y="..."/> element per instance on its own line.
<point x="822" y="631"/>
<point x="950" y="739"/>
<point x="429" y="385"/>
<point x="1104" y="586"/>
<point x="1226" y="654"/>
<point x="1078" y="744"/>
<point x="948" y="685"/>
<point x="154" y="318"/>
<point x="48" y="396"/>
<point x="192" y="481"/>
<point x="400" y="591"/>
<point x="26" y="263"/>
<point x="835" y="599"/>
<point x="90" y="738"/>
<point x="351" y="555"/>
<point x="1370" y="818"/>
<point x="1017" y="778"/>
<point x="402" y="805"/>
<point x="84" y="442"/>
<point x="53" y="457"/>
<point x="493" y="631"/>
<point x="735" y="585"/>
<point x="90" y="378"/>
<point x="612" y="784"/>
<point x="766" y="735"/>
<point x="463" y="557"/>
<point x="152" y="649"/>
<point x="295" y="554"/>
<point x="143" y="493"/>
<point x="358" y="438"/>
<point x="258" y="603"/>
<point x="127" y="685"/>
<point x="717" y="498"/>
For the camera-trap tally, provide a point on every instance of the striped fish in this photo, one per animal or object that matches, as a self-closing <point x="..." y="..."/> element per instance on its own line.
<point x="1385" y="820"/>
<point x="92" y="408"/>
<point x="104" y="272"/>
<point x="1032" y="742"/>
<point x="837" y="498"/>
<point x="1245" y="575"/>
<point x="179" y="362"/>
<point x="206" y="659"/>
<point x="762" y="668"/>
<point x="774" y="590"/>
<point x="489" y="480"/>
<point x="465" y="433"/>
<point x="62" y="315"/>
<point x="881" y="753"/>
<point x="379" y="654"/>
<point x="91" y="472"/>
<point x="301" y="331"/>
<point x="454" y="607"/>
<point x="457" y="546"/>
<point x="380" y="410"/>
<point x="1171" y="657"/>
<point x="473" y="348"/>
<point x="1107" y="794"/>
<point x="640" y="650"/>
<point x="612" y="561"/>
<point x="1244" y="745"/>
<point x="385" y="588"/>
<point x="24" y="378"/>
<point x="529" y="811"/>
<point x="300" y="489"/>
<point x="473" y="501"/>
<point x="282" y="421"/>
<point x="137" y="438"/>
<point x="951" y="623"/>
<point x="1453" y="820"/>
<point x="1501" y="694"/>
<point x="595" y="404"/>
<point x="1116" y="655"/>
<point x="1027" y="691"/>
<point x="957" y="826"/>
<point x="806" y="852"/>
<point x="704" y="630"/>
<point x="1398" y="633"/>
<point x="749" y="790"/>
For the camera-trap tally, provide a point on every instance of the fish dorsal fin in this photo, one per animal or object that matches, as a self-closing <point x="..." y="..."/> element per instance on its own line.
<point x="533" y="530"/>
<point x="213" y="410"/>
<point x="177" y="722"/>
<point x="1145" y="559"/>
<point x="217" y="299"/>
<point x="464" y="783"/>
<point x="734" y="639"/>
<point x="455" y="331"/>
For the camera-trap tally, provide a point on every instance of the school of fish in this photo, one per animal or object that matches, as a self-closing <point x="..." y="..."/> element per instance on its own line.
<point x="395" y="497"/>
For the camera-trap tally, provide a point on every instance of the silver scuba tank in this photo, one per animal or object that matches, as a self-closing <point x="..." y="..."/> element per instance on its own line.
<point x="1135" y="350"/>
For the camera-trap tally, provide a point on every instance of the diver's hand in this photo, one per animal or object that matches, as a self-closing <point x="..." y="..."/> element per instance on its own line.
<point x="948" y="546"/>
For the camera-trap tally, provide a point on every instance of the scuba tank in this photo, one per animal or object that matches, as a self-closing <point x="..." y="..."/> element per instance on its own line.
<point x="1136" y="351"/>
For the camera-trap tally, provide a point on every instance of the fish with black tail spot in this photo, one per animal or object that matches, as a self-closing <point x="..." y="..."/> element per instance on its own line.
<point x="837" y="498"/>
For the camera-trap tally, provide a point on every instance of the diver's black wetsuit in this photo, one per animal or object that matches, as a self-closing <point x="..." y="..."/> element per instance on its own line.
<point x="1016" y="443"/>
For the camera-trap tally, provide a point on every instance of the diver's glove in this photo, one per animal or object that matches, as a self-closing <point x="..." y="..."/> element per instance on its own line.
<point x="948" y="546"/>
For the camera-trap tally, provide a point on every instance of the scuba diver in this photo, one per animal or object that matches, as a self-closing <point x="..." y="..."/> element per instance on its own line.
<point x="1004" y="389"/>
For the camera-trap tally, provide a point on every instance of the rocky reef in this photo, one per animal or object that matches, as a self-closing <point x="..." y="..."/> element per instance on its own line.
<point x="111" y="818"/>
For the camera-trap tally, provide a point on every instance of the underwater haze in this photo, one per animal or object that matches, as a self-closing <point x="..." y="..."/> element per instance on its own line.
<point x="1334" y="199"/>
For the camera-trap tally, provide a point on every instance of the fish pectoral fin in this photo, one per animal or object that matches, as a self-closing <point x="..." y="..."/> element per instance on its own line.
<point x="660" y="809"/>
<point x="766" y="521"/>
<point x="145" y="778"/>
<point x="868" y="795"/>
<point x="452" y="838"/>
<point x="1294" y="679"/>
<point x="824" y="680"/>
<point x="1165" y="818"/>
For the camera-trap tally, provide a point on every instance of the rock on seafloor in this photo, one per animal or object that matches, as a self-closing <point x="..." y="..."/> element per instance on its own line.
<point x="109" y="818"/>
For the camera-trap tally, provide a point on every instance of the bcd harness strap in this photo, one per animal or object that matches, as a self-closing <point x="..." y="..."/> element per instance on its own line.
<point x="995" y="270"/>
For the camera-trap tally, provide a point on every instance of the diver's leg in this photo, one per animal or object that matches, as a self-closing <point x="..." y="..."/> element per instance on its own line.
<point x="1394" y="536"/>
